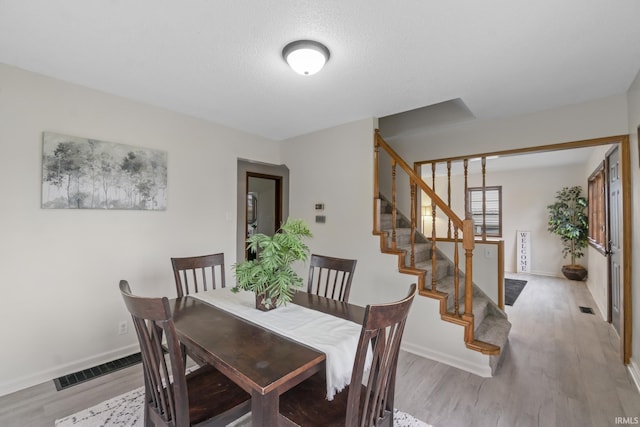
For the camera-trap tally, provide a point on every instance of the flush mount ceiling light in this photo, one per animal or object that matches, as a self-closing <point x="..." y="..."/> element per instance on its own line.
<point x="306" y="57"/>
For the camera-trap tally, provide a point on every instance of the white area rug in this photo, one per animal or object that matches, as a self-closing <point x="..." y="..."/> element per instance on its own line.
<point x="126" y="411"/>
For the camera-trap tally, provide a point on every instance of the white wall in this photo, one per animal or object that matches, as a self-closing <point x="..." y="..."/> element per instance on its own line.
<point x="61" y="268"/>
<point x="325" y="167"/>
<point x="525" y="196"/>
<point x="634" y="123"/>
<point x="603" y="117"/>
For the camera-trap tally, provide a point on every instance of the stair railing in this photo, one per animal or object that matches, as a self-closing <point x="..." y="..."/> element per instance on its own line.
<point x="455" y="223"/>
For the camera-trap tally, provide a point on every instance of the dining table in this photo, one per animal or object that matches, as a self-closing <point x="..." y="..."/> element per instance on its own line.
<point x="263" y="362"/>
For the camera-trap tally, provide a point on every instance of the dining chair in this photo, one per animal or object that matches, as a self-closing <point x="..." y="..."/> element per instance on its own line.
<point x="368" y="399"/>
<point x="203" y="397"/>
<point x="330" y="277"/>
<point x="198" y="273"/>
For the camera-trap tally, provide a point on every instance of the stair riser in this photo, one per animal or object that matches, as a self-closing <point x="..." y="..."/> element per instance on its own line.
<point x="421" y="254"/>
<point x="403" y="238"/>
<point x="386" y="224"/>
<point x="442" y="269"/>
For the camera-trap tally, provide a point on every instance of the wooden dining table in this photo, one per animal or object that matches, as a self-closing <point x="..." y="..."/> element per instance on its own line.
<point x="262" y="362"/>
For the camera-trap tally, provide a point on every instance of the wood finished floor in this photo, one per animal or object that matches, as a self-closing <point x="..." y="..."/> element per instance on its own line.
<point x="562" y="368"/>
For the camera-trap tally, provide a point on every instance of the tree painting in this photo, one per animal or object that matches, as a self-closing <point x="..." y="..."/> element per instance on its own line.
<point x="82" y="173"/>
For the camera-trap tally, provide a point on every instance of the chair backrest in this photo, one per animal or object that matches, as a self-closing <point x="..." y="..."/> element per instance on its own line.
<point x="330" y="277"/>
<point x="165" y="396"/>
<point x="382" y="330"/>
<point x="198" y="273"/>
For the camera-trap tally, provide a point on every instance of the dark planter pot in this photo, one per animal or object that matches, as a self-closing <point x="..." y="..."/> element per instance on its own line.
<point x="261" y="300"/>
<point x="574" y="272"/>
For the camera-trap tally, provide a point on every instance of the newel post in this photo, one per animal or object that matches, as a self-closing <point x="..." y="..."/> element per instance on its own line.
<point x="468" y="243"/>
<point x="376" y="184"/>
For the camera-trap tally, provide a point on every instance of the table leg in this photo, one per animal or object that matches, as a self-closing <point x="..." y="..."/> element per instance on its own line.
<point x="265" y="409"/>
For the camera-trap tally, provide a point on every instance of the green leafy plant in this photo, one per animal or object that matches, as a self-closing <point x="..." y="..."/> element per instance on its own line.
<point x="567" y="219"/>
<point x="271" y="274"/>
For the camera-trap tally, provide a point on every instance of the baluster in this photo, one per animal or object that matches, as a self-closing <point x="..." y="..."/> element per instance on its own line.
<point x="468" y="243"/>
<point x="484" y="198"/>
<point x="433" y="177"/>
<point x="413" y="222"/>
<point x="433" y="247"/>
<point x="433" y="230"/>
<point x="449" y="196"/>
<point x="456" y="273"/>
<point x="393" y="204"/>
<point x="467" y="206"/>
<point x="376" y="184"/>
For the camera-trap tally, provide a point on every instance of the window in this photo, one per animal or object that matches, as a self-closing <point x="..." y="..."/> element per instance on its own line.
<point x="597" y="208"/>
<point x="492" y="211"/>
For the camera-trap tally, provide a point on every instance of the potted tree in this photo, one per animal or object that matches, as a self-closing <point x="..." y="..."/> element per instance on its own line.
<point x="567" y="219"/>
<point x="270" y="275"/>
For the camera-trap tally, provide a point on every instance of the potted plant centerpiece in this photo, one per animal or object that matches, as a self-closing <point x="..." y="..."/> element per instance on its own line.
<point x="270" y="275"/>
<point x="567" y="219"/>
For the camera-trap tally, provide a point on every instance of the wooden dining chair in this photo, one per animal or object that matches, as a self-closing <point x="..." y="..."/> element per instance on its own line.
<point x="204" y="397"/>
<point x="198" y="273"/>
<point x="330" y="277"/>
<point x="368" y="400"/>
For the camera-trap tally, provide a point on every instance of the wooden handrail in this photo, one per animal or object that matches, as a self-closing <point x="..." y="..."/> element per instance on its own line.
<point x="413" y="176"/>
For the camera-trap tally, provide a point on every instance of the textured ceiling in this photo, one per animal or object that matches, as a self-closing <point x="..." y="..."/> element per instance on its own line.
<point x="221" y="61"/>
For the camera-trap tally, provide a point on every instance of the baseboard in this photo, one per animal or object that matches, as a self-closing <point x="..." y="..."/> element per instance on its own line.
<point x="538" y="273"/>
<point x="602" y="310"/>
<point x="78" y="365"/>
<point x="634" y="371"/>
<point x="447" y="359"/>
<point x="548" y="274"/>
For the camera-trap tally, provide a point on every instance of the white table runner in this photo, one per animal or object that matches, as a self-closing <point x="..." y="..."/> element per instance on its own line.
<point x="337" y="338"/>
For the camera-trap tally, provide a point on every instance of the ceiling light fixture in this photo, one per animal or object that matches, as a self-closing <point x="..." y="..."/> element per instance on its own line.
<point x="305" y="57"/>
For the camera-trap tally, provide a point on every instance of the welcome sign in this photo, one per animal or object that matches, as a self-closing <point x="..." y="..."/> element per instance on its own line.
<point x="523" y="251"/>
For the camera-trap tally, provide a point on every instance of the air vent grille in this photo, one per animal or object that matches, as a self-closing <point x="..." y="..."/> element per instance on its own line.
<point x="69" y="380"/>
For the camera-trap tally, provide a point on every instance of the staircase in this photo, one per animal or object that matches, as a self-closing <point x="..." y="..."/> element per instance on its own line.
<point x="461" y="302"/>
<point x="491" y="326"/>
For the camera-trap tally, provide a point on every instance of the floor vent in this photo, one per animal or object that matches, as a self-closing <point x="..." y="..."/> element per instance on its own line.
<point x="69" y="380"/>
<point x="588" y="310"/>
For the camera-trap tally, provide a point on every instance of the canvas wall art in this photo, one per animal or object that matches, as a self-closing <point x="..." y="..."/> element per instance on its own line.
<point x="83" y="173"/>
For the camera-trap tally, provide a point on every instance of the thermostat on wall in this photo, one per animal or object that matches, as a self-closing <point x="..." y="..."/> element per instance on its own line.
<point x="319" y="206"/>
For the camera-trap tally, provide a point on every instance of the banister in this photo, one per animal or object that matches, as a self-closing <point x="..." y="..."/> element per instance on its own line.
<point x="466" y="225"/>
<point x="407" y="262"/>
<point x="444" y="208"/>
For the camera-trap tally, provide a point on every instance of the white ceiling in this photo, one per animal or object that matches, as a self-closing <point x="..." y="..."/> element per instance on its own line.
<point x="221" y="60"/>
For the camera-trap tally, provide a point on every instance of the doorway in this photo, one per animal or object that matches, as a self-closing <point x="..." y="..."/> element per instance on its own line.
<point x="262" y="201"/>
<point x="623" y="312"/>
<point x="264" y="206"/>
